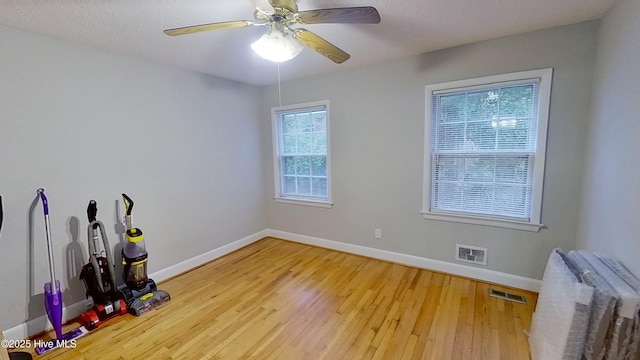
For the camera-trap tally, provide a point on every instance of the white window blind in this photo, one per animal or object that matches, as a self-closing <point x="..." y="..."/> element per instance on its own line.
<point x="484" y="150"/>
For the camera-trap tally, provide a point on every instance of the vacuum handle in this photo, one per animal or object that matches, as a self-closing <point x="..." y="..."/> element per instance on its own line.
<point x="128" y="204"/>
<point x="94" y="252"/>
<point x="45" y="202"/>
<point x="92" y="210"/>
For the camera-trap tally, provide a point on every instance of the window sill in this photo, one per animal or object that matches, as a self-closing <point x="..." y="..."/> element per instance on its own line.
<point x="292" y="201"/>
<point x="503" y="223"/>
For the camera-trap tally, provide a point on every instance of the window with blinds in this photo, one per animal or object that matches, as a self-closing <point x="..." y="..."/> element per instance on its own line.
<point x="485" y="141"/>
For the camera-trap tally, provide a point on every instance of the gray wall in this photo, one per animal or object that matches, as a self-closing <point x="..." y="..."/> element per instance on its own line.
<point x="611" y="208"/>
<point x="194" y="152"/>
<point x="87" y="124"/>
<point x="377" y="123"/>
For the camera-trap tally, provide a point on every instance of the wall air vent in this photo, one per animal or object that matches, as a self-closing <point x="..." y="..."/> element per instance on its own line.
<point x="471" y="254"/>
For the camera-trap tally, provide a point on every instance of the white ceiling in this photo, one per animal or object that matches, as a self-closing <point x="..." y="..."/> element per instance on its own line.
<point x="408" y="27"/>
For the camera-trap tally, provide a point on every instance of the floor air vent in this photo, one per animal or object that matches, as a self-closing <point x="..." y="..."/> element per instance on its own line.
<point x="507" y="296"/>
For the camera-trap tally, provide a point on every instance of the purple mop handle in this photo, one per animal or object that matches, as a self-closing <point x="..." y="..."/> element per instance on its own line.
<point x="45" y="206"/>
<point x="45" y="202"/>
<point x="52" y="293"/>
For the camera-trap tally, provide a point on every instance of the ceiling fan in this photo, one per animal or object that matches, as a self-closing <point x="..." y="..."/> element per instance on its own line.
<point x="282" y="18"/>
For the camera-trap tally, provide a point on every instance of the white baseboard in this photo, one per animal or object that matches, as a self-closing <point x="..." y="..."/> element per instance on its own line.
<point x="201" y="259"/>
<point x="490" y="276"/>
<point x="40" y="324"/>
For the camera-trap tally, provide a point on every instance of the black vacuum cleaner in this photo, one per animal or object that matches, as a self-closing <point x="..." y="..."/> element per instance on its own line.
<point x="98" y="275"/>
<point x="140" y="292"/>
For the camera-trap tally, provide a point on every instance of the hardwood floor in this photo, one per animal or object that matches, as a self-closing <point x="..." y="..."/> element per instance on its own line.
<point x="276" y="299"/>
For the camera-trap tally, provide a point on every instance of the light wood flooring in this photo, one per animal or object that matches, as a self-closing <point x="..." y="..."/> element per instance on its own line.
<point x="276" y="299"/>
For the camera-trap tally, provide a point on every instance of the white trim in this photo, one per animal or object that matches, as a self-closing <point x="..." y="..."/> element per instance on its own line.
<point x="544" y="96"/>
<point x="40" y="324"/>
<point x="544" y="99"/>
<point x="487" y="81"/>
<point x="276" y="152"/>
<point x="503" y="223"/>
<point x="201" y="259"/>
<point x="514" y="77"/>
<point x="305" y="202"/>
<point x="476" y="273"/>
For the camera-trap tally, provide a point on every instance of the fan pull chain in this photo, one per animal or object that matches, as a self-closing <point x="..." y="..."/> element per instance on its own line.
<point x="279" y="92"/>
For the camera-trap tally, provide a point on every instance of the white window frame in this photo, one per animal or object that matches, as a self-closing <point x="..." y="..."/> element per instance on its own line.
<point x="534" y="223"/>
<point x="275" y="127"/>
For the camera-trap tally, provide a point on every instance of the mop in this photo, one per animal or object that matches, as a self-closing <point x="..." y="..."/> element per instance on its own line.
<point x="53" y="296"/>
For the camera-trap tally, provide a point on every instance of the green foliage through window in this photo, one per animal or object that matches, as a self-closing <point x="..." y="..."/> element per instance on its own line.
<point x="483" y="142"/>
<point x="303" y="153"/>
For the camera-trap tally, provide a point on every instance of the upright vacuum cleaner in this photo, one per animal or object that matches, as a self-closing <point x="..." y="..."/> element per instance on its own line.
<point x="140" y="292"/>
<point x="98" y="275"/>
<point x="53" y="294"/>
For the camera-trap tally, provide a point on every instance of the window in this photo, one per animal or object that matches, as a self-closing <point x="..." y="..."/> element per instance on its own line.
<point x="301" y="154"/>
<point x="485" y="143"/>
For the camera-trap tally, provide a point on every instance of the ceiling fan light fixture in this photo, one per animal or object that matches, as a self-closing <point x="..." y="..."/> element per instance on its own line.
<point x="277" y="46"/>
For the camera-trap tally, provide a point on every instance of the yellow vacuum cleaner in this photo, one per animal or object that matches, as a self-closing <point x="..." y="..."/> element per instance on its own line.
<point x="140" y="292"/>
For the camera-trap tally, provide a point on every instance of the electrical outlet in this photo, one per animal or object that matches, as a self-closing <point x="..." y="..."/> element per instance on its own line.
<point x="377" y="233"/>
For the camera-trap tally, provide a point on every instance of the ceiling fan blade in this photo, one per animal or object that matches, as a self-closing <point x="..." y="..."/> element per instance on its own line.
<point x="289" y="5"/>
<point x="322" y="46"/>
<point x="262" y="5"/>
<point x="207" y="27"/>
<point x="351" y="15"/>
